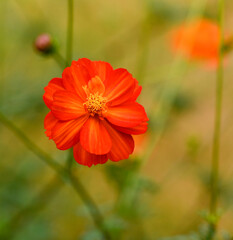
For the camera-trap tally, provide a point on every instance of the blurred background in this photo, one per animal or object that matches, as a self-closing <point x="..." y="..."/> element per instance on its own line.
<point x="163" y="189"/>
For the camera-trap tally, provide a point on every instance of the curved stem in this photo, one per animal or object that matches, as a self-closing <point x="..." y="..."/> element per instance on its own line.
<point x="60" y="60"/>
<point x="69" y="41"/>
<point x="93" y="208"/>
<point x="143" y="50"/>
<point x="63" y="173"/>
<point x="69" y="160"/>
<point x="217" y="124"/>
<point x="76" y="184"/>
<point x="32" y="146"/>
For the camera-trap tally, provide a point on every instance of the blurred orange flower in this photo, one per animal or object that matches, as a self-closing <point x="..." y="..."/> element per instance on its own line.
<point x="141" y="142"/>
<point x="198" y="39"/>
<point x="94" y="110"/>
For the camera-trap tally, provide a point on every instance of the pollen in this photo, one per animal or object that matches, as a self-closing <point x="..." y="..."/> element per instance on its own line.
<point x="95" y="104"/>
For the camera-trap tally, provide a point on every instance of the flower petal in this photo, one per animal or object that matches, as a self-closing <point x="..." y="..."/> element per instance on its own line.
<point x="74" y="78"/>
<point x="86" y="64"/>
<point x="54" y="85"/>
<point x="77" y="76"/>
<point x="120" y="87"/>
<point x="83" y="157"/>
<point x="126" y="115"/>
<point x="95" y="68"/>
<point x="94" y="137"/>
<point x="67" y="105"/>
<point x="96" y="85"/>
<point x="140" y="129"/>
<point x="122" y="144"/>
<point x="198" y="39"/>
<point x="49" y="122"/>
<point x="66" y="133"/>
<point x="103" y="70"/>
<point x="136" y="93"/>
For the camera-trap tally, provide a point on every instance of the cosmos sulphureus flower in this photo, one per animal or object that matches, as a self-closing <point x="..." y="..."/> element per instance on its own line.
<point x="198" y="39"/>
<point x="93" y="109"/>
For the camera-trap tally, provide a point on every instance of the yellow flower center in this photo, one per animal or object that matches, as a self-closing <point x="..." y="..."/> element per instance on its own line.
<point x="95" y="104"/>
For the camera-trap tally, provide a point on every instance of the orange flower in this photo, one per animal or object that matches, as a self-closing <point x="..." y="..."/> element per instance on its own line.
<point x="198" y="39"/>
<point x="94" y="110"/>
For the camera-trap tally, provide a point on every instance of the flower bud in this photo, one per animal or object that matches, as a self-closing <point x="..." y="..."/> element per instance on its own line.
<point x="44" y="44"/>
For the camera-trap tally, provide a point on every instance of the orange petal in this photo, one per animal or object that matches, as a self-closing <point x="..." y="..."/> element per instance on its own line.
<point x="96" y="85"/>
<point x="140" y="129"/>
<point x="77" y="76"/>
<point x="86" y="64"/>
<point x="83" y="157"/>
<point x="122" y="144"/>
<point x="126" y="115"/>
<point x="136" y="92"/>
<point x="54" y="85"/>
<point x="95" y="68"/>
<point x="102" y="69"/>
<point x="120" y="87"/>
<point x="94" y="137"/>
<point x="66" y="133"/>
<point x="49" y="122"/>
<point x="198" y="39"/>
<point x="67" y="105"/>
<point x="74" y="80"/>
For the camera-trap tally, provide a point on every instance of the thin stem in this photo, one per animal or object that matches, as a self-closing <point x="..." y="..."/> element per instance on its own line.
<point x="69" y="41"/>
<point x="143" y="48"/>
<point x="32" y="146"/>
<point x="177" y="68"/>
<point x="172" y="85"/>
<point x="62" y="173"/>
<point x="76" y="184"/>
<point x="217" y="124"/>
<point x="69" y="160"/>
<point x="60" y="60"/>
<point x="211" y="232"/>
<point x="93" y="208"/>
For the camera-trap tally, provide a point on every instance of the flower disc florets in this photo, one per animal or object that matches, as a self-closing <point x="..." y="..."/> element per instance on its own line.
<point x="95" y="104"/>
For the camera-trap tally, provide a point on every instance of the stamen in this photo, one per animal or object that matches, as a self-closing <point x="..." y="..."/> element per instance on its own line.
<point x="95" y="104"/>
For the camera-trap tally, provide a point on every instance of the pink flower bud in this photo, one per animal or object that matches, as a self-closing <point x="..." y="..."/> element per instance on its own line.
<point x="44" y="43"/>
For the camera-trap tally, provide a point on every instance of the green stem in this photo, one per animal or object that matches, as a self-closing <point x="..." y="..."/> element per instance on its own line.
<point x="172" y="85"/>
<point x="69" y="51"/>
<point x="217" y="125"/>
<point x="60" y="60"/>
<point x="30" y="145"/>
<point x="69" y="160"/>
<point x="69" y="41"/>
<point x="93" y="208"/>
<point x="211" y="232"/>
<point x="143" y="48"/>
<point x="63" y="173"/>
